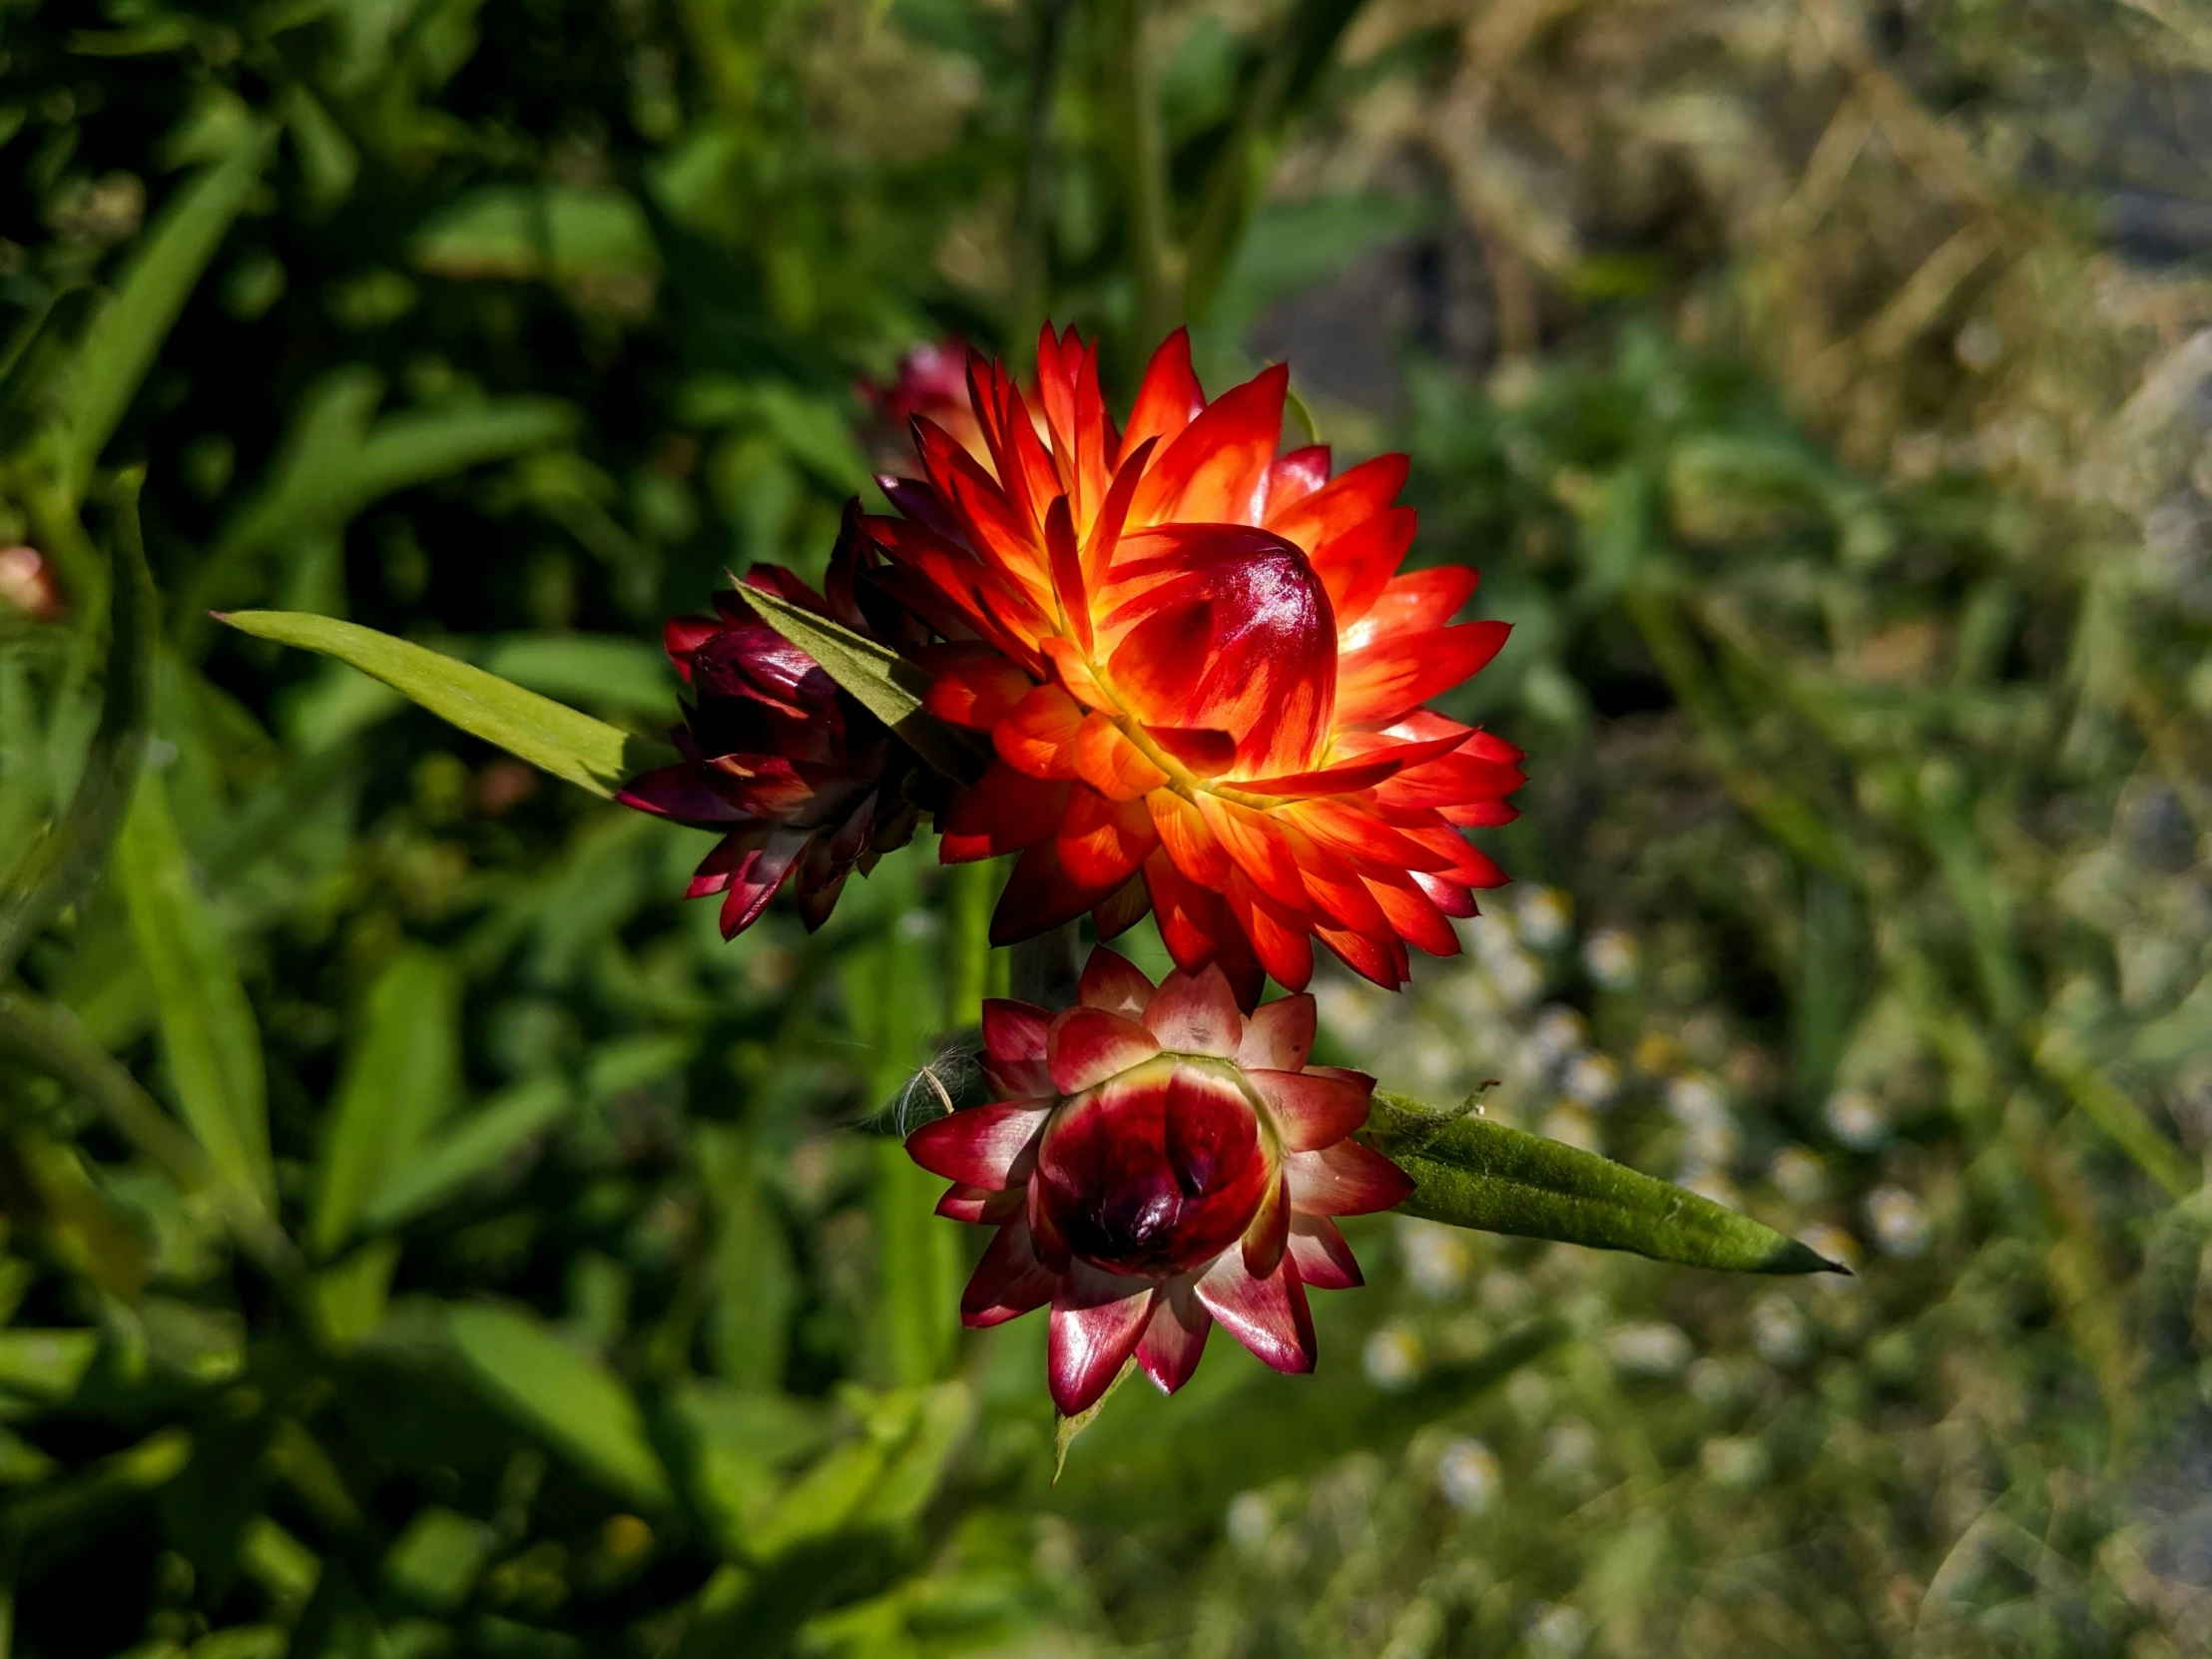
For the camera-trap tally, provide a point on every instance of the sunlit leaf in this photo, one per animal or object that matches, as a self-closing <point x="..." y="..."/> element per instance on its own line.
<point x="449" y="1163"/>
<point x="549" y="735"/>
<point x="881" y="681"/>
<point x="1472" y="1172"/>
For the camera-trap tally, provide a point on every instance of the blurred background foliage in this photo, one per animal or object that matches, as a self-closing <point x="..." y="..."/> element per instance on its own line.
<point x="424" y="1237"/>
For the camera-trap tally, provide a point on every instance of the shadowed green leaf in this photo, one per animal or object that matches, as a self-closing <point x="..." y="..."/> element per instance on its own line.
<point x="1472" y="1172"/>
<point x="402" y="1074"/>
<point x="162" y="273"/>
<point x="447" y="1164"/>
<point x="562" y="1395"/>
<point x="549" y="735"/>
<point x="209" y="1036"/>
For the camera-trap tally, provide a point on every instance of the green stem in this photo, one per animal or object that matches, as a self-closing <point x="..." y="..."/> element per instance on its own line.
<point x="1135" y="113"/>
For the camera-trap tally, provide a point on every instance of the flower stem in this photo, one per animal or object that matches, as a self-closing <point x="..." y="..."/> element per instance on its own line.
<point x="1044" y="969"/>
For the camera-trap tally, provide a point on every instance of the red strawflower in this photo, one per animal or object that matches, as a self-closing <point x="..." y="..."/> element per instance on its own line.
<point x="1159" y="1161"/>
<point x="1201" y="671"/>
<point x="807" y="783"/>
<point x="932" y="384"/>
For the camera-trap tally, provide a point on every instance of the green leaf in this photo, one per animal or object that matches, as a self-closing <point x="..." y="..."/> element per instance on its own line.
<point x="402" y="1075"/>
<point x="1472" y="1172"/>
<point x="449" y="1163"/>
<point x="884" y="683"/>
<point x="551" y="736"/>
<point x="160" y="276"/>
<point x="565" y="232"/>
<point x="45" y="1364"/>
<point x="573" y="1401"/>
<point x="208" y="1037"/>
<point x="69" y="857"/>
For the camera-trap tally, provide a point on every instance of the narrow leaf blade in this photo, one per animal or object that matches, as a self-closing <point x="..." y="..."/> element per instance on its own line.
<point x="550" y="736"/>
<point x="1472" y="1172"/>
<point x="455" y="1160"/>
<point x="882" y="681"/>
<point x="573" y="1401"/>
<point x="208" y="1036"/>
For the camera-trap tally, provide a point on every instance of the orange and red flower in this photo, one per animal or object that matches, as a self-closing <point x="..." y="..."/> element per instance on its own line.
<point x="1157" y="1161"/>
<point x="1202" y="671"/>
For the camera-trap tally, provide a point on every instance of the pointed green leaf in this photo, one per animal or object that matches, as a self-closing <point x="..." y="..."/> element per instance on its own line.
<point x="571" y="1399"/>
<point x="551" y="736"/>
<point x="402" y="1075"/>
<point x="449" y="1163"/>
<point x="162" y="273"/>
<point x="882" y="681"/>
<point x="69" y="857"/>
<point x="208" y="1037"/>
<point x="1472" y="1172"/>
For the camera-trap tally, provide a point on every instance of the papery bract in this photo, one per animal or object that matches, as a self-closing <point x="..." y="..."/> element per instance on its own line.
<point x="804" y="782"/>
<point x="1158" y="1160"/>
<point x="1201" y="671"/>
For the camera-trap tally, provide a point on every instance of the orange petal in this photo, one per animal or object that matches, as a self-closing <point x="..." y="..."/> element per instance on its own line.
<point x="1280" y="937"/>
<point x="1357" y="566"/>
<point x="1169" y="399"/>
<point x="1384" y="679"/>
<point x="1413" y="604"/>
<point x="1188" y="842"/>
<point x="1004" y="810"/>
<point x="1293" y="478"/>
<point x="1039" y="736"/>
<point x="1352" y="497"/>
<point x="1191" y="919"/>
<point x="1257" y="849"/>
<point x="1111" y="763"/>
<point x="1202" y="750"/>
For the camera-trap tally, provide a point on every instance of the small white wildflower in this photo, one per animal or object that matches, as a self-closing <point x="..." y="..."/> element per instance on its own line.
<point x="1251" y="1519"/>
<point x="1467" y="1474"/>
<point x="1797" y="1171"/>
<point x="1436" y="1256"/>
<point x="1592" y="1079"/>
<point x="1736" y="1461"/>
<point x="1612" y="959"/>
<point x="1857" y="1119"/>
<point x="1520" y="978"/>
<point x="1570" y="1123"/>
<point x="1778" y="1331"/>
<point x="1649" y="1348"/>
<point x="1693" y="1097"/>
<point x="1393" y="1357"/>
<point x="1570" y="1449"/>
<point x="1556" y="1629"/>
<point x="1546" y="917"/>
<point x="1558" y="1032"/>
<point x="1899" y="1223"/>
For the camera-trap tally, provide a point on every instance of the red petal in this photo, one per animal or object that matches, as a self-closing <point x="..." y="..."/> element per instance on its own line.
<point x="681" y="635"/>
<point x="1039" y="736"/>
<point x="754" y="881"/>
<point x="1196" y="1013"/>
<point x="1067" y="570"/>
<point x="1357" y="566"/>
<point x="1174" y="1337"/>
<point x="982" y="1206"/>
<point x="1324" y="1261"/>
<point x="1293" y="478"/>
<point x="1449" y="780"/>
<point x="1279" y="1035"/>
<point x="1269" y="1315"/>
<point x="1007" y="1282"/>
<point x="1413" y="913"/>
<point x="1101" y="842"/>
<point x="1257" y="848"/>
<point x="1169" y="399"/>
<point x="1270" y="1232"/>
<point x="1372" y="959"/>
<point x="1089" y="1045"/>
<point x="1312" y="1110"/>
<point x="1111" y="763"/>
<point x="1189" y="915"/>
<point x="972" y="684"/>
<point x="1351" y="499"/>
<point x="1112" y="985"/>
<point x="1004" y="810"/>
<point x="1014" y="1037"/>
<point x="1280" y="936"/>
<point x="1347" y="1179"/>
<point x="1116" y="916"/>
<point x="1216" y="471"/>
<point x="1202" y="750"/>
<point x="1039" y="895"/>
<point x="1384" y="679"/>
<point x="979" y="1146"/>
<point x="1096" y="1321"/>
<point x="685" y="792"/>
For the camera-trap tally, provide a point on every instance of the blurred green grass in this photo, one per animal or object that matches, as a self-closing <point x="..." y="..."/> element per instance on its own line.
<point x="1821" y="389"/>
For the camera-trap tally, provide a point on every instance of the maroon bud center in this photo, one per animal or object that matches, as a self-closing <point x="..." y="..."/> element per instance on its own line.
<point x="1157" y="1171"/>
